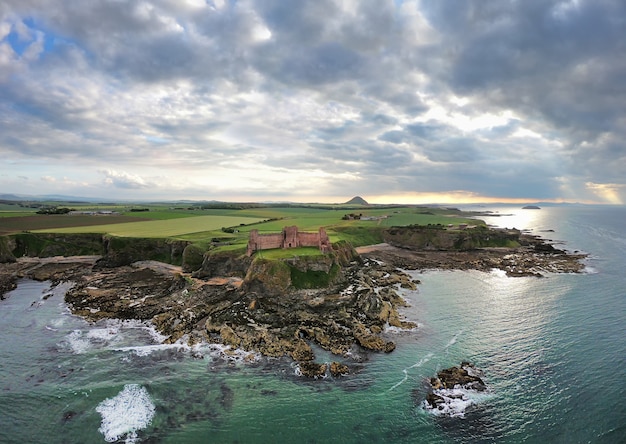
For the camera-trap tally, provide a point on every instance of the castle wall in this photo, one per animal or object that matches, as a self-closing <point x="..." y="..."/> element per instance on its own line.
<point x="309" y="239"/>
<point x="290" y="237"/>
<point x="263" y="241"/>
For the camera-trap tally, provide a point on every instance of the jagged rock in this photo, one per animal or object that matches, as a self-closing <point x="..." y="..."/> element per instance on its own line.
<point x="302" y="352"/>
<point x="229" y="337"/>
<point x="312" y="369"/>
<point x="464" y="376"/>
<point x="337" y="369"/>
<point x="435" y="401"/>
<point x="371" y="341"/>
<point x="451" y="390"/>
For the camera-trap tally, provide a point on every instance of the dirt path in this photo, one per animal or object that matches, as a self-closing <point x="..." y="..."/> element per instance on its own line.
<point x="59" y="260"/>
<point x="376" y="247"/>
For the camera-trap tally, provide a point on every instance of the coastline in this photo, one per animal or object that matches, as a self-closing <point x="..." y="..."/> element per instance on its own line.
<point x="347" y="318"/>
<point x="515" y="262"/>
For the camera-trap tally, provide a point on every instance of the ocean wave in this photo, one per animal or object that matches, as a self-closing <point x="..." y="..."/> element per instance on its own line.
<point x="418" y="364"/>
<point x="401" y="330"/>
<point x="110" y="334"/>
<point x="125" y="414"/>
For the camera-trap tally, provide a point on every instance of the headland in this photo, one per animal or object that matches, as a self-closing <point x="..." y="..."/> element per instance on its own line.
<point x="342" y="300"/>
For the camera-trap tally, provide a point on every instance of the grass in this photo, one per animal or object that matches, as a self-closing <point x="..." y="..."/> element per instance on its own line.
<point x="203" y="226"/>
<point x="4" y="213"/>
<point x="358" y="236"/>
<point x="160" y="228"/>
<point x="54" y="223"/>
<point x="288" y="253"/>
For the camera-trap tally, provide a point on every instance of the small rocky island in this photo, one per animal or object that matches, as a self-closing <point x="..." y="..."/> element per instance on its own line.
<point x="454" y="389"/>
<point x="342" y="301"/>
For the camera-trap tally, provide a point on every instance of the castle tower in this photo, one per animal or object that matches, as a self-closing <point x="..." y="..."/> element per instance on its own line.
<point x="290" y="237"/>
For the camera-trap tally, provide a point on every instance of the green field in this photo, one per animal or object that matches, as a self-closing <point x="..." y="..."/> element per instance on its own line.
<point x="204" y="226"/>
<point x="15" y="213"/>
<point x="160" y="228"/>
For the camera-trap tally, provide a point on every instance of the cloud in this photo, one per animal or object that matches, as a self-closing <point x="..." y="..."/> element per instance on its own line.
<point x="121" y="179"/>
<point x="324" y="98"/>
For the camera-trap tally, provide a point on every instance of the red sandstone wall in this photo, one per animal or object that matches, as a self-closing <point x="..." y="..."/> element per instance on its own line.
<point x="267" y="241"/>
<point x="263" y="241"/>
<point x="288" y="238"/>
<point x="309" y="239"/>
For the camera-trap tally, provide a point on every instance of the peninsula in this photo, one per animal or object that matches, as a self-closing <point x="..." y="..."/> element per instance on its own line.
<point x="285" y="292"/>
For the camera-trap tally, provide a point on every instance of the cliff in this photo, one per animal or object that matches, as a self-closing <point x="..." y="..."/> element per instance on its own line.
<point x="437" y="237"/>
<point x="52" y="244"/>
<point x="299" y="272"/>
<point x="120" y="251"/>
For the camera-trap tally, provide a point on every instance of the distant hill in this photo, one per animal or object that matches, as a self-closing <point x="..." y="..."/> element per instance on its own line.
<point x="357" y="200"/>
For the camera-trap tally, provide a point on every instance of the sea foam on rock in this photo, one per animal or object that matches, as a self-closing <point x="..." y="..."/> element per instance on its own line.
<point x="454" y="389"/>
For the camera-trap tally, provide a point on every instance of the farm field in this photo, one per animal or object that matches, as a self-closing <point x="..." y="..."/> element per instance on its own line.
<point x="228" y="228"/>
<point x="52" y="223"/>
<point x="160" y="228"/>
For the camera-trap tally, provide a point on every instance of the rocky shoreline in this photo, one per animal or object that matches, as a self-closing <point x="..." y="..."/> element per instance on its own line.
<point x="536" y="259"/>
<point x="345" y="319"/>
<point x="260" y="314"/>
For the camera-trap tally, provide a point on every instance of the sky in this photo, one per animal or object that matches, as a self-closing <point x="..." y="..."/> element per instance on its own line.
<point x="431" y="101"/>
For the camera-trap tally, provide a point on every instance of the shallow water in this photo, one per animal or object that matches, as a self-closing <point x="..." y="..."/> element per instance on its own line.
<point x="552" y="351"/>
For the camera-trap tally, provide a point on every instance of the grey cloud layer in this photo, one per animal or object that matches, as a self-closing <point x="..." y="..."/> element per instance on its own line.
<point x="352" y="89"/>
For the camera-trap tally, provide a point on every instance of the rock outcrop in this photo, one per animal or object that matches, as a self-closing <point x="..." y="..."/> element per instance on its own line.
<point x="454" y="389"/>
<point x="261" y="313"/>
<point x="341" y="302"/>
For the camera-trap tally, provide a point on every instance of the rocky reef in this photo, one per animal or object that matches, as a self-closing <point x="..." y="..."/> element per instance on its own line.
<point x="268" y="311"/>
<point x="454" y="389"/>
<point x="512" y="251"/>
<point x="342" y="301"/>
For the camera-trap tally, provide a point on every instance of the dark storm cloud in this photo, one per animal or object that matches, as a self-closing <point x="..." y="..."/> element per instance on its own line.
<point x="558" y="60"/>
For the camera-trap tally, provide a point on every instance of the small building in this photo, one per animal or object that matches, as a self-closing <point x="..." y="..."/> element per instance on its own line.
<point x="289" y="237"/>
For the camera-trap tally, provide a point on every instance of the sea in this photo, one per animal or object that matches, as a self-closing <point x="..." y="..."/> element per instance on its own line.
<point x="552" y="352"/>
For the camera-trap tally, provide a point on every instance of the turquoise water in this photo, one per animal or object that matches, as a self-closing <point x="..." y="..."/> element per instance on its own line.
<point x="553" y="352"/>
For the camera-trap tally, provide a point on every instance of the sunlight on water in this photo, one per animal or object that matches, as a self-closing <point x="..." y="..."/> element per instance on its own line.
<point x="516" y="217"/>
<point x="551" y="350"/>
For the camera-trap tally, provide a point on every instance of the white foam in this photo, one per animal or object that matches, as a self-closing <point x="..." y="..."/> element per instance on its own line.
<point x="102" y="334"/>
<point x="419" y="363"/>
<point x="497" y="272"/>
<point x="589" y="270"/>
<point x="456" y="401"/>
<point x="77" y="342"/>
<point x="111" y="332"/>
<point x="400" y="330"/>
<point x="123" y="415"/>
<point x="226" y="353"/>
<point x="452" y="341"/>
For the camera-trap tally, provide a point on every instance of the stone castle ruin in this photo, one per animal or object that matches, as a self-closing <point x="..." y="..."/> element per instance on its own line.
<point x="290" y="237"/>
